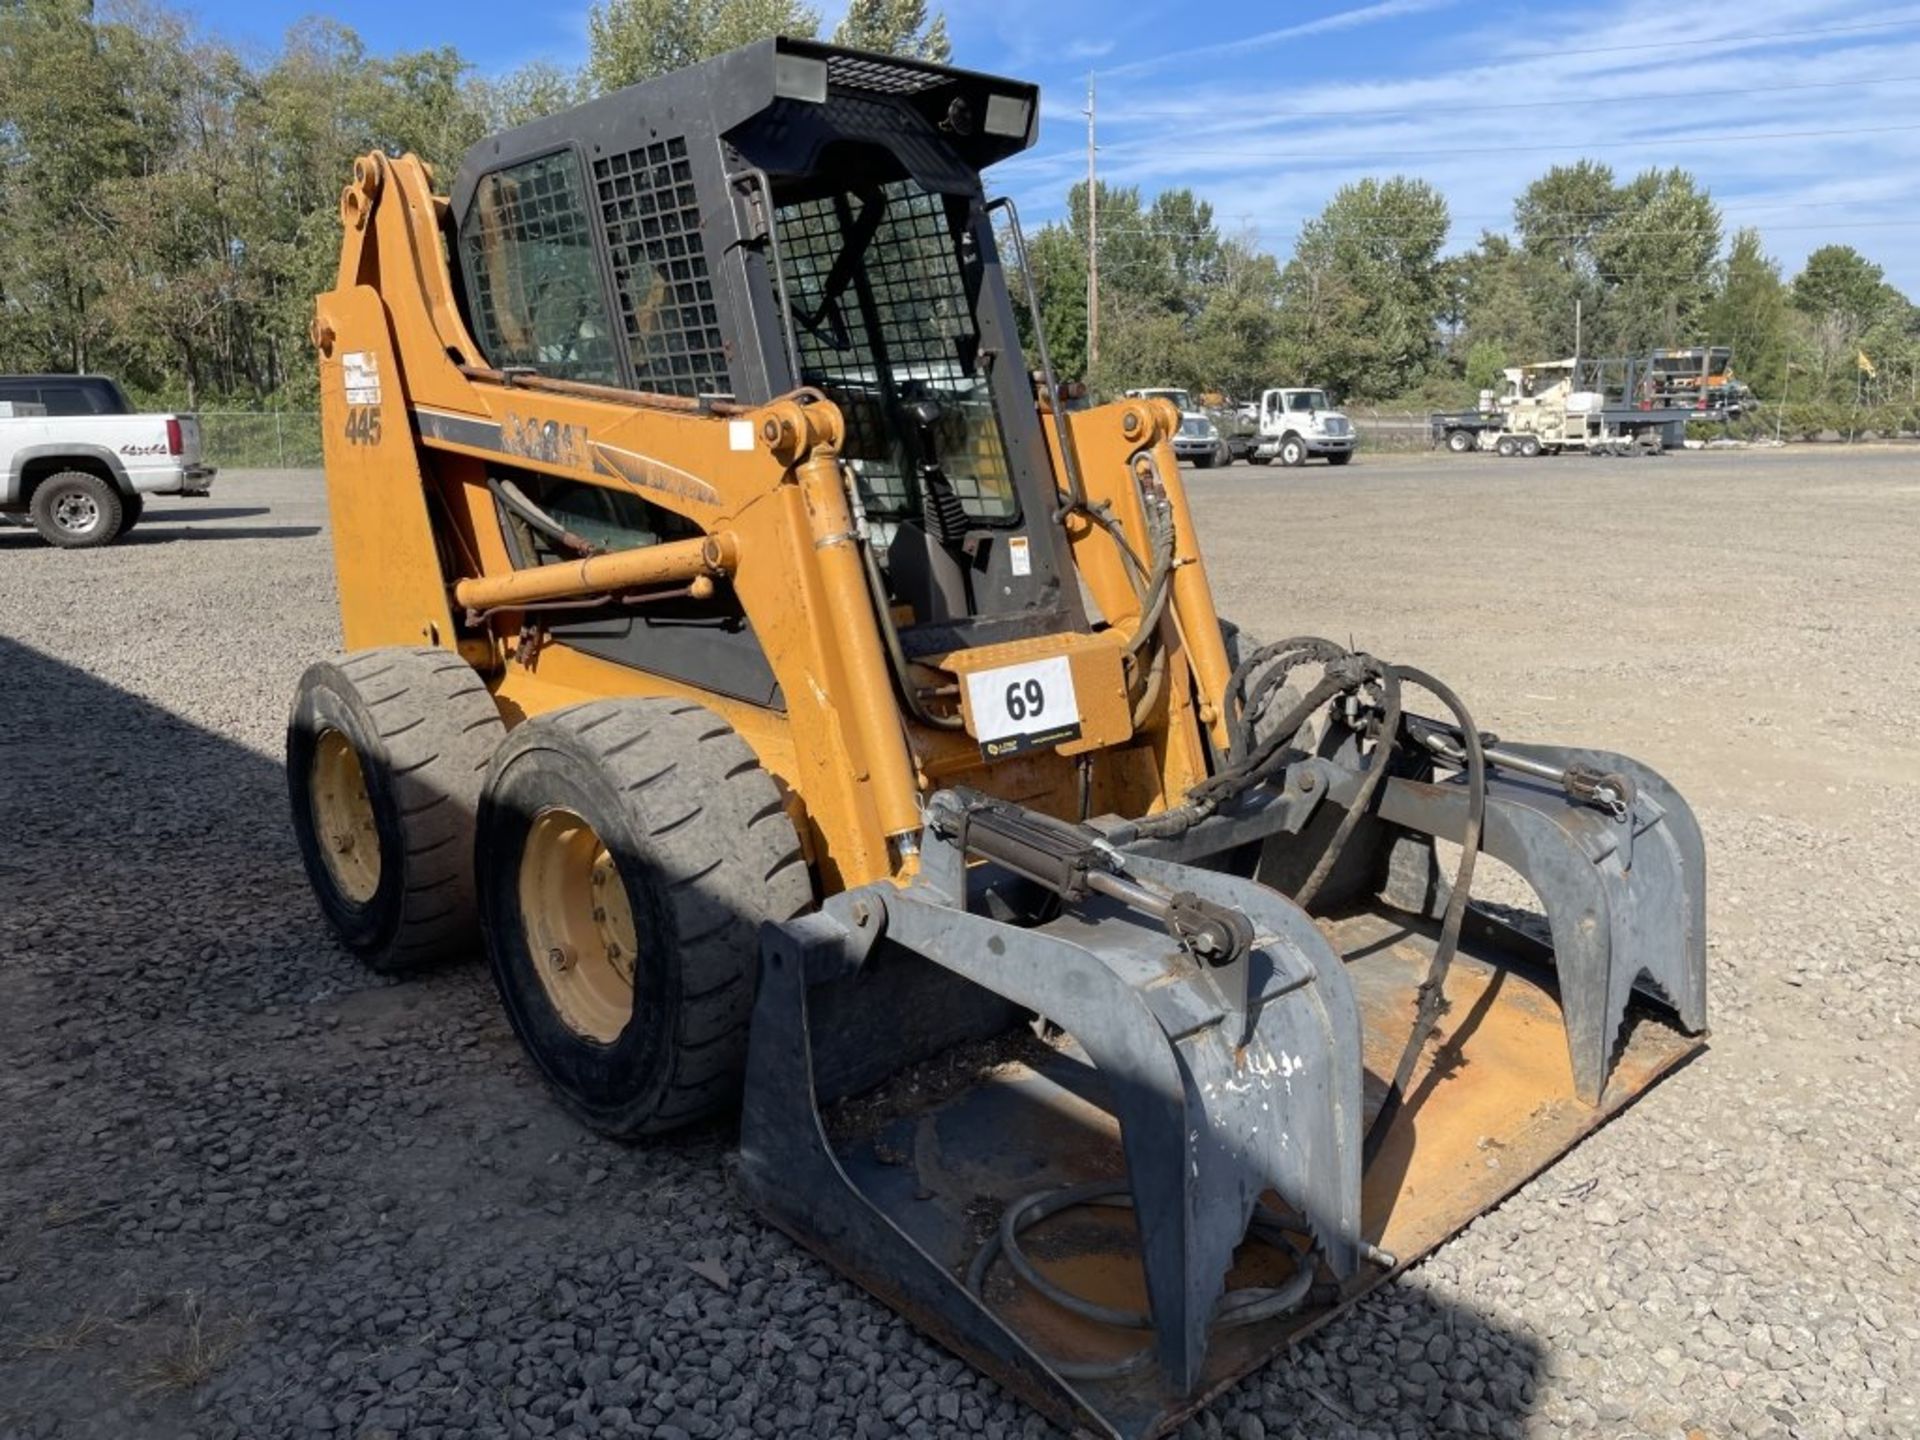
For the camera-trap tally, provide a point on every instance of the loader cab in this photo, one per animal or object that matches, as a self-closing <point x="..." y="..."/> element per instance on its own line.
<point x="796" y="215"/>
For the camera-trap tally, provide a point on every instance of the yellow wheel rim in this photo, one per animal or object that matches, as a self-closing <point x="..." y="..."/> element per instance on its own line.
<point x="343" y="818"/>
<point x="579" y="925"/>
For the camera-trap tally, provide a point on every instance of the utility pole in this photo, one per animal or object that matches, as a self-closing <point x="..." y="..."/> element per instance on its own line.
<point x="1093" y="244"/>
<point x="1576" y="343"/>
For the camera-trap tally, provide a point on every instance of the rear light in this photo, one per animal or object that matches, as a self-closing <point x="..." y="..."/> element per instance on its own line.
<point x="176" y="444"/>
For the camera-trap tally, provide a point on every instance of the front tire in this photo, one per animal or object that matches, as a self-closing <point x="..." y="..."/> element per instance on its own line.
<point x="1293" y="452"/>
<point x="1339" y="457"/>
<point x="386" y="752"/>
<point x="76" y="510"/>
<point x="628" y="853"/>
<point x="1460" y="442"/>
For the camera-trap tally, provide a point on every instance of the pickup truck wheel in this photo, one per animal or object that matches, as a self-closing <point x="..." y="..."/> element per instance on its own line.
<point x="386" y="753"/>
<point x="628" y="853"/>
<point x="132" y="508"/>
<point x="76" y="510"/>
<point x="1293" y="451"/>
<point x="1460" y="441"/>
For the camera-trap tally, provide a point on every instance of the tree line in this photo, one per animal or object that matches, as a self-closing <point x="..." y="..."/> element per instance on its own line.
<point x="169" y="205"/>
<point x="1369" y="304"/>
<point x="168" y="212"/>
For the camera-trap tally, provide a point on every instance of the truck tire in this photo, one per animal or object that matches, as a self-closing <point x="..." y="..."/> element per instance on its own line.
<point x="1460" y="442"/>
<point x="1293" y="452"/>
<point x="386" y="753"/>
<point x="628" y="853"/>
<point x="1530" y="447"/>
<point x="132" y="508"/>
<point x="1223" y="456"/>
<point x="1506" y="447"/>
<point x="1339" y="457"/>
<point x="76" y="510"/>
<point x="1204" y="462"/>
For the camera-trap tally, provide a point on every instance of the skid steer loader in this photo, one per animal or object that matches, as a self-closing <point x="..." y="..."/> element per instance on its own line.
<point x="812" y="720"/>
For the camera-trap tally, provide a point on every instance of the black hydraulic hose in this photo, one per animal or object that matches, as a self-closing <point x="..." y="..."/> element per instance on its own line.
<point x="517" y="500"/>
<point x="896" y="655"/>
<point x="1432" y="989"/>
<point x="1247" y="1306"/>
<point x="1389" y="680"/>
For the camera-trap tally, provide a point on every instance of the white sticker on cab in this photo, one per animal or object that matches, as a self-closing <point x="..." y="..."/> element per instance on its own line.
<point x="360" y="370"/>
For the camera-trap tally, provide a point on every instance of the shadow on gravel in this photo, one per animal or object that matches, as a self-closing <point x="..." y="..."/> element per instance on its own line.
<point x="248" y="1190"/>
<point x="170" y="529"/>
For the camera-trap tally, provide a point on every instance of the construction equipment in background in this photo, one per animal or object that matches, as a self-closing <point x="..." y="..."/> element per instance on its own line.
<point x="809" y="715"/>
<point x="1547" y="409"/>
<point x="1698" y="378"/>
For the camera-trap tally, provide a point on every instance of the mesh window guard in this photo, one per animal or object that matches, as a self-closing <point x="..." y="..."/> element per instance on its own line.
<point x="885" y="326"/>
<point x="672" y="325"/>
<point x="532" y="282"/>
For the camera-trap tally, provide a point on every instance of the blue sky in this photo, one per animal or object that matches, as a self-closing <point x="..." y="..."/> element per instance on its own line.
<point x="1802" y="116"/>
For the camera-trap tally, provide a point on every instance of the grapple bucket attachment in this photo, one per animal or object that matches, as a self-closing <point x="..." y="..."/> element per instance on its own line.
<point x="1157" y="1186"/>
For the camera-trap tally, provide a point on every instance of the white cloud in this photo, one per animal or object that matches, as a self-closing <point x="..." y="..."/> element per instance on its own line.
<point x="1792" y="135"/>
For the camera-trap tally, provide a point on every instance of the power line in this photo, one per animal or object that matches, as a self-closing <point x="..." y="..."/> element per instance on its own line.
<point x="1564" y="103"/>
<point x="1555" y="52"/>
<point x="1265" y="233"/>
<point x="1638" y="144"/>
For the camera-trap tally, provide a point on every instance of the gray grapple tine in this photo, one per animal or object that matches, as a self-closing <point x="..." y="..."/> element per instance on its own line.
<point x="1623" y="897"/>
<point x="1280" y="1115"/>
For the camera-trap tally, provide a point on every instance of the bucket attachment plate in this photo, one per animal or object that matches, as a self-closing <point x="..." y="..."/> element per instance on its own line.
<point x="901" y="1189"/>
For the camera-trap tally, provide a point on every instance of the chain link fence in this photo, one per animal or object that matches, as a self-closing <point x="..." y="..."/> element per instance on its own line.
<point x="1389" y="431"/>
<point x="261" y="439"/>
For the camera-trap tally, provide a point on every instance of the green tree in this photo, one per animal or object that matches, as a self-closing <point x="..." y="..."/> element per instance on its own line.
<point x="895" y="27"/>
<point x="1655" y="257"/>
<point x="1749" y="313"/>
<point x="1362" y="297"/>
<point x="1840" y="297"/>
<point x="1059" y="262"/>
<point x="633" y="40"/>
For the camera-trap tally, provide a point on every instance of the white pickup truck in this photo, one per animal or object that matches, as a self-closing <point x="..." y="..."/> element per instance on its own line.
<point x="78" y="463"/>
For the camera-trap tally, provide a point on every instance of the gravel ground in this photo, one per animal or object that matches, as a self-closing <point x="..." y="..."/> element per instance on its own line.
<point x="249" y="1190"/>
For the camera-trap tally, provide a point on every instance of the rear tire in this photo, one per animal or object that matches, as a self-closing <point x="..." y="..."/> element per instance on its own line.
<point x="1506" y="447"/>
<point x="628" y="853"/>
<point x="386" y="752"/>
<point x="132" y="508"/>
<point x="1530" y="447"/>
<point x="76" y="510"/>
<point x="1460" y="441"/>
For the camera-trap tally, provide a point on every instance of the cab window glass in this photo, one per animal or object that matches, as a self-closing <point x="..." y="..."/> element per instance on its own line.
<point x="533" y="282"/>
<point x="602" y="516"/>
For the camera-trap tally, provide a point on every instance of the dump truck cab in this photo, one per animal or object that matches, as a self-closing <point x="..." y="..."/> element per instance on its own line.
<point x="784" y="689"/>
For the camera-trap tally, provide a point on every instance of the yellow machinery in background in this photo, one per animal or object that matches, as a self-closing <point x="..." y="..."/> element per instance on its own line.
<point x="787" y="696"/>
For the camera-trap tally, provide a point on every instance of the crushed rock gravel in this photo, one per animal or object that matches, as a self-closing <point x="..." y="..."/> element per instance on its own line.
<point x="249" y="1190"/>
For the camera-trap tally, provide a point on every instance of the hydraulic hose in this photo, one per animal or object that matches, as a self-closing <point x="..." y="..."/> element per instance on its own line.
<point x="1247" y="1306"/>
